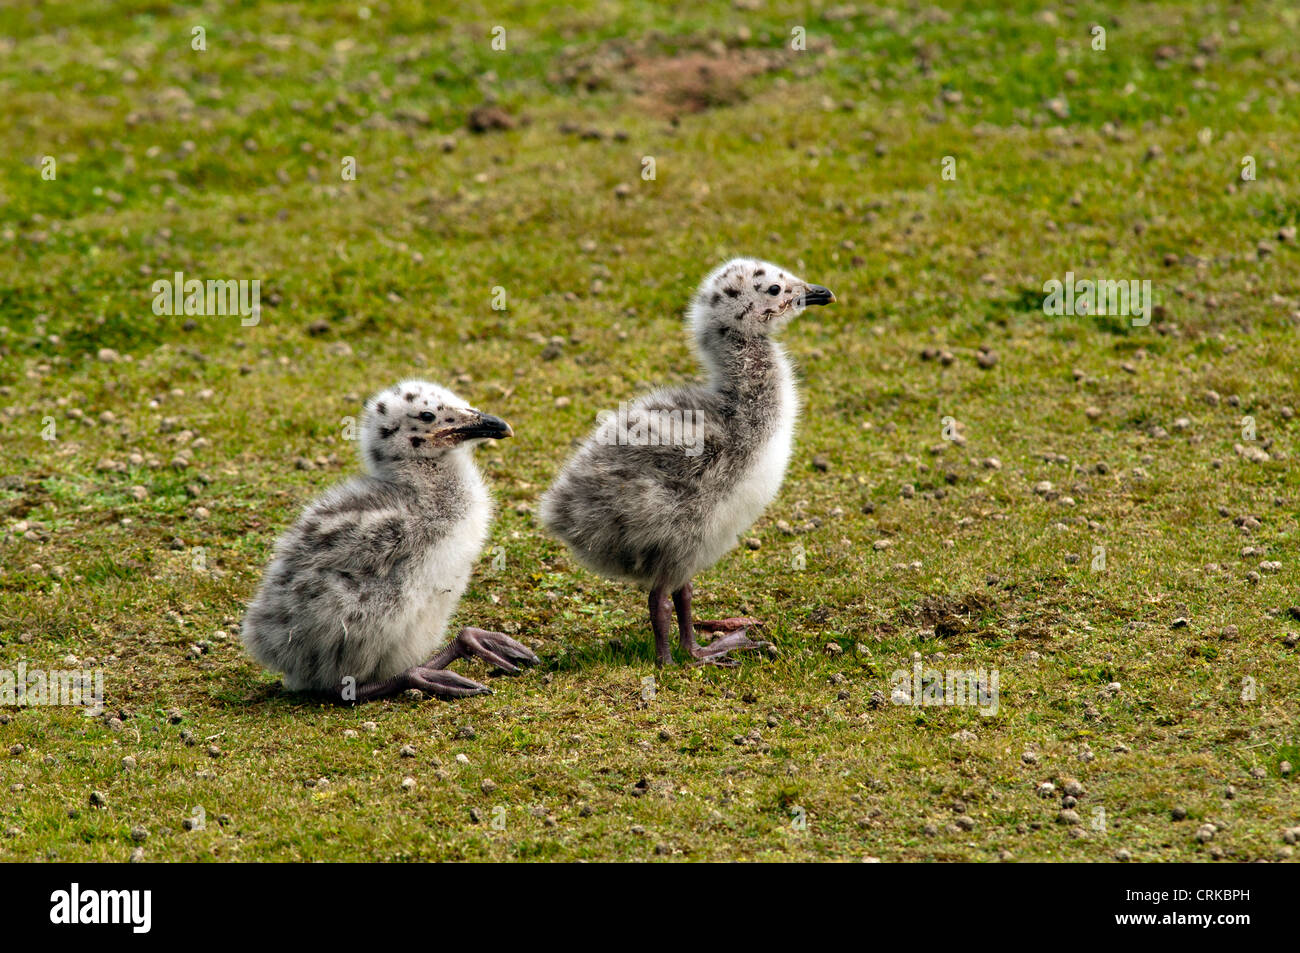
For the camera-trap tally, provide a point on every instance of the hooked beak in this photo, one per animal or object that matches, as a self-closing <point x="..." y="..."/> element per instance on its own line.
<point x="816" y="294"/>
<point x="493" y="428"/>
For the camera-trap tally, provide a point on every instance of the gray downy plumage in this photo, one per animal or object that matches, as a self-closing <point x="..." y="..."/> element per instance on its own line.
<point x="662" y="492"/>
<point x="363" y="584"/>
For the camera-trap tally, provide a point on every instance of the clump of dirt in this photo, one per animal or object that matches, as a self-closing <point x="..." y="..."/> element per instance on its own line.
<point x="1034" y="630"/>
<point x="489" y="117"/>
<point x="953" y="616"/>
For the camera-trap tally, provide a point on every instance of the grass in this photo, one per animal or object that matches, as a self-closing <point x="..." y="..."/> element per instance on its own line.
<point x="226" y="163"/>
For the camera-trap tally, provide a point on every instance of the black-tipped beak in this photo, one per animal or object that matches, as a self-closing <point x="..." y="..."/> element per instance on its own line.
<point x="816" y="294"/>
<point x="493" y="428"/>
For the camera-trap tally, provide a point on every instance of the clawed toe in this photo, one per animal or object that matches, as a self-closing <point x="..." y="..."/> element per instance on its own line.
<point x="718" y="651"/>
<point x="496" y="648"/>
<point x="442" y="683"/>
<point x="718" y="661"/>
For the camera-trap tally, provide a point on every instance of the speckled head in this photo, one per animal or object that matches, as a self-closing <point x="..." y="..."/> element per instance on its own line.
<point x="750" y="297"/>
<point x="419" y="421"/>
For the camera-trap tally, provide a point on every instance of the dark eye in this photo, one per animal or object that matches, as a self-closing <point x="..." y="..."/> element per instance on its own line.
<point x="428" y="416"/>
<point x="774" y="290"/>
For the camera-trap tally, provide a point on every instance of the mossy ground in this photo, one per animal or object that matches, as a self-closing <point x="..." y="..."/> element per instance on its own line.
<point x="226" y="163"/>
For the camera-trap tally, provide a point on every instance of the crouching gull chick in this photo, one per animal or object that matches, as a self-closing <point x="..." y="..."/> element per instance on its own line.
<point x="356" y="600"/>
<point x="662" y="490"/>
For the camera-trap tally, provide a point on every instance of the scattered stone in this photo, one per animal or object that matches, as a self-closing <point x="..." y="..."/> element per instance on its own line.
<point x="1252" y="453"/>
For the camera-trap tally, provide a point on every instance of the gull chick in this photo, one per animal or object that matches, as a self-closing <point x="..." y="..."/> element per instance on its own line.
<point x="662" y="490"/>
<point x="356" y="600"/>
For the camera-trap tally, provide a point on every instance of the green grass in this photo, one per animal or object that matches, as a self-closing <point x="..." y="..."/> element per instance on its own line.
<point x="226" y="163"/>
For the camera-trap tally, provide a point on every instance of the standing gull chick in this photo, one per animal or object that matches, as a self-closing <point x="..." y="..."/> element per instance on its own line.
<point x="662" y="490"/>
<point x="357" y="598"/>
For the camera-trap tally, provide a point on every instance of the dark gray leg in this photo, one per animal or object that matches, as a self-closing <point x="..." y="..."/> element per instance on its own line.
<point x="717" y="651"/>
<point x="661" y="620"/>
<point x="685" y="625"/>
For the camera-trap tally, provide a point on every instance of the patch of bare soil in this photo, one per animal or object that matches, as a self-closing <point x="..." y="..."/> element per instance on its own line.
<point x="668" y="85"/>
<point x="695" y="82"/>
